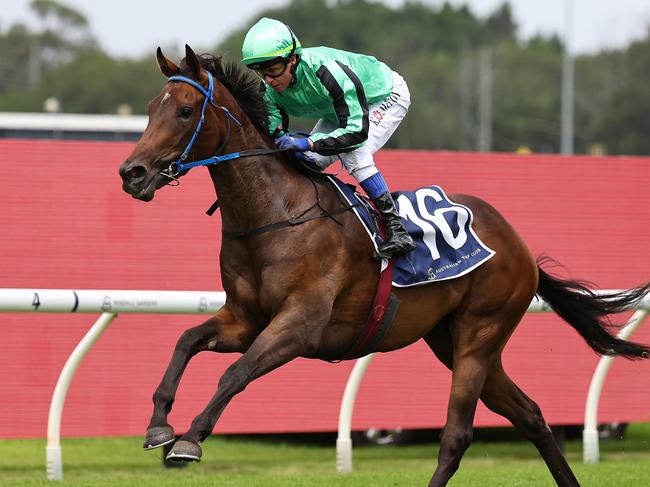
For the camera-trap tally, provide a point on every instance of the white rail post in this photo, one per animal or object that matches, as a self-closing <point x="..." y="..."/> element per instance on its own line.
<point x="344" y="438"/>
<point x="53" y="460"/>
<point x="590" y="447"/>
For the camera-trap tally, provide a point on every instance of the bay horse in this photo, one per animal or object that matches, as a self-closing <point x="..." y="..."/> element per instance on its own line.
<point x="305" y="290"/>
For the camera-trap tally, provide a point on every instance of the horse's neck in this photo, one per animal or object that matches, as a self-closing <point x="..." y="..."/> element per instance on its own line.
<point x="254" y="191"/>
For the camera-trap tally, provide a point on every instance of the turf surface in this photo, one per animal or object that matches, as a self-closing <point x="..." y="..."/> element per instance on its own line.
<point x="288" y="462"/>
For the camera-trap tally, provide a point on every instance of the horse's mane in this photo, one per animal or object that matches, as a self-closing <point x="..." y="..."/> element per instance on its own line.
<point x="244" y="87"/>
<point x="248" y="90"/>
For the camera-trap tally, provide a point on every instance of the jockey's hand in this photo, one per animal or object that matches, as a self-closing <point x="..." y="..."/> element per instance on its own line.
<point x="298" y="144"/>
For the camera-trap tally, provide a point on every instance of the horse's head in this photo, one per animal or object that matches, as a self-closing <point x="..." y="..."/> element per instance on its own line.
<point x="175" y="116"/>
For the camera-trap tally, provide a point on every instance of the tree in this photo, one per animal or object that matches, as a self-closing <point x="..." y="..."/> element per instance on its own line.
<point x="434" y="47"/>
<point x="26" y="55"/>
<point x="16" y="49"/>
<point x="623" y="124"/>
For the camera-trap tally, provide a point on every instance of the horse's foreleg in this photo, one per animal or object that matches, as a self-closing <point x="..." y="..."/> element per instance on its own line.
<point x="286" y="337"/>
<point x="219" y="334"/>
<point x="503" y="397"/>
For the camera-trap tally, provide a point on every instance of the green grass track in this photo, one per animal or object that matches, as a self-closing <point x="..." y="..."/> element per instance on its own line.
<point x="248" y="462"/>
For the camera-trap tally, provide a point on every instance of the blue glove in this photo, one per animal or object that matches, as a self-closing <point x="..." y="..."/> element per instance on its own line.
<point x="298" y="144"/>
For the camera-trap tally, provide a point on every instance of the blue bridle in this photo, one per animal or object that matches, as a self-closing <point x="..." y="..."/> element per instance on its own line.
<point x="177" y="167"/>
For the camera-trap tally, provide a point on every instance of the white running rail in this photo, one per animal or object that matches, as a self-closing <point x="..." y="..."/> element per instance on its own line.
<point x="62" y="122"/>
<point x="109" y="304"/>
<point x="590" y="432"/>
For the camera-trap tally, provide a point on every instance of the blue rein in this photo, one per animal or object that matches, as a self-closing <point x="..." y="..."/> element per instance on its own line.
<point x="175" y="168"/>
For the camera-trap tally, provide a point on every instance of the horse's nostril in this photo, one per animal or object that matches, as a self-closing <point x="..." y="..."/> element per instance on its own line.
<point x="135" y="173"/>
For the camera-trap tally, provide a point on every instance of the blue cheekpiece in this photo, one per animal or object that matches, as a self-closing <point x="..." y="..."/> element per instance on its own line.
<point x="374" y="186"/>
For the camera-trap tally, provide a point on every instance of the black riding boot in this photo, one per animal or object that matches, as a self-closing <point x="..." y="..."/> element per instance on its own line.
<point x="398" y="241"/>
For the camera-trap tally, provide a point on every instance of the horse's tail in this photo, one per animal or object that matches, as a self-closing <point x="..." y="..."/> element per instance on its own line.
<point x="588" y="312"/>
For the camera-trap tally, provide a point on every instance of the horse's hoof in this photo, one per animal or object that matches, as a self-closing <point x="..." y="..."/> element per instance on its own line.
<point x="185" y="451"/>
<point x="158" y="436"/>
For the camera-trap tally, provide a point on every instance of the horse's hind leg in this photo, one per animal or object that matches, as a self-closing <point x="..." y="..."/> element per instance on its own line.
<point x="503" y="397"/>
<point x="219" y="334"/>
<point x="472" y="361"/>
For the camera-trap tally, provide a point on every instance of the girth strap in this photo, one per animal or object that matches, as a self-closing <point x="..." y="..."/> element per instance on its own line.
<point x="291" y="222"/>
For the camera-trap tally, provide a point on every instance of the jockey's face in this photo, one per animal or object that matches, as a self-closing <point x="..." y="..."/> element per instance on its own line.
<point x="278" y="76"/>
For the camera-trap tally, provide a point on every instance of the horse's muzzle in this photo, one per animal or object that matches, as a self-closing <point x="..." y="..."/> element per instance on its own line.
<point x="136" y="180"/>
<point x="133" y="173"/>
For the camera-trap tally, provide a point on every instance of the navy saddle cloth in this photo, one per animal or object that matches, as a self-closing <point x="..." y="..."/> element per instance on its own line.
<point x="446" y="245"/>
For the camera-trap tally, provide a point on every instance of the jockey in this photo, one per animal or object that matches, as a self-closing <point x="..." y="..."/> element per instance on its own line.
<point x="358" y="100"/>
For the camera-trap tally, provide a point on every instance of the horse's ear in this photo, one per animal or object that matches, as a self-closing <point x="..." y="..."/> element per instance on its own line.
<point x="192" y="61"/>
<point x="167" y="67"/>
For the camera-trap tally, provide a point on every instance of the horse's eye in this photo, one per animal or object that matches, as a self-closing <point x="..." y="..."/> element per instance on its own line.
<point x="185" y="112"/>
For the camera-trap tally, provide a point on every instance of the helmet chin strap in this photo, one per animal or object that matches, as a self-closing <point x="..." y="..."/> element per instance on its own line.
<point x="293" y="69"/>
<point x="292" y="53"/>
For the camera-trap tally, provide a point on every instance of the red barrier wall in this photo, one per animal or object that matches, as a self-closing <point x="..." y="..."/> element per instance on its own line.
<point x="67" y="224"/>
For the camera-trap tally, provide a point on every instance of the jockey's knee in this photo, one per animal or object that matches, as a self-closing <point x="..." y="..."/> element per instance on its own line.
<point x="359" y="164"/>
<point x="320" y="160"/>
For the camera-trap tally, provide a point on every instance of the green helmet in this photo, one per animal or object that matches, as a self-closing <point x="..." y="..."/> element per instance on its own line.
<point x="268" y="42"/>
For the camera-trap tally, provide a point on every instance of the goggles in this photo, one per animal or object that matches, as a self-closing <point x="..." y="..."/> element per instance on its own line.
<point x="274" y="71"/>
